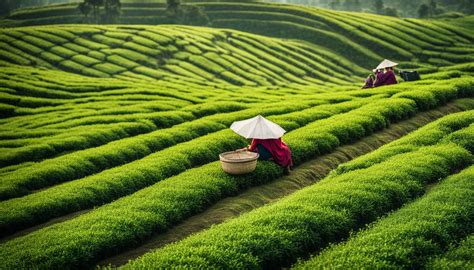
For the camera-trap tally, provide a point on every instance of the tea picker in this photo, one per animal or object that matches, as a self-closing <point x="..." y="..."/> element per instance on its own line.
<point x="266" y="145"/>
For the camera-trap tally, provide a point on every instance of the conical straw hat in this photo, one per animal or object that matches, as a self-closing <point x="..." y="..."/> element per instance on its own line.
<point x="257" y="128"/>
<point x="385" y="64"/>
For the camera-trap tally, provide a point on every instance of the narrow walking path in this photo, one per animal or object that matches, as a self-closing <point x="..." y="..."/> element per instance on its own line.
<point x="304" y="175"/>
<point x="43" y="225"/>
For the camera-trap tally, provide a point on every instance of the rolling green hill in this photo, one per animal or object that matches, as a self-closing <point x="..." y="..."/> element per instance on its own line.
<point x="110" y="137"/>
<point x="170" y="53"/>
<point x="362" y="38"/>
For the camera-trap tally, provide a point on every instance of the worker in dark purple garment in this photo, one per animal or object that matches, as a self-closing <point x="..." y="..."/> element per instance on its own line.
<point x="386" y="78"/>
<point x="369" y="82"/>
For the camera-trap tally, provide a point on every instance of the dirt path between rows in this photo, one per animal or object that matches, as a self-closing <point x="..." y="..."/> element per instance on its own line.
<point x="304" y="175"/>
<point x="43" y="225"/>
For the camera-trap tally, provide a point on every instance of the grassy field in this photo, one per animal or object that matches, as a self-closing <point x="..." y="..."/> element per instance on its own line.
<point x="110" y="136"/>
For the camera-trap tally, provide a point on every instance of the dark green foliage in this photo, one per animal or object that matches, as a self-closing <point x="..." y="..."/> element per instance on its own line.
<point x="452" y="128"/>
<point x="378" y="6"/>
<point x="112" y="154"/>
<point x="457" y="257"/>
<point x="313" y="139"/>
<point x="173" y="5"/>
<point x="410" y="236"/>
<point x="112" y="9"/>
<point x="59" y="144"/>
<point x="5" y="8"/>
<point x="104" y="11"/>
<point x="463" y="137"/>
<point x="283" y="29"/>
<point x="186" y="14"/>
<point x="85" y="8"/>
<point x="391" y="12"/>
<point x="334" y="31"/>
<point x="274" y="235"/>
<point x="352" y="5"/>
<point x="110" y="69"/>
<point x="423" y="11"/>
<point x="133" y="139"/>
<point x="6" y="110"/>
<point x="408" y="8"/>
<point x="152" y="209"/>
<point x="466" y="6"/>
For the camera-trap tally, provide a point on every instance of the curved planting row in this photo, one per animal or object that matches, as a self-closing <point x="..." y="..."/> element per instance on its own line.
<point x="23" y="150"/>
<point x="430" y="134"/>
<point x="14" y="82"/>
<point x="409" y="237"/>
<point x="124" y="138"/>
<point x="44" y="118"/>
<point x="394" y="37"/>
<point x="89" y="161"/>
<point x="275" y="235"/>
<point x="96" y="111"/>
<point x="120" y="122"/>
<point x="66" y="198"/>
<point x="337" y="31"/>
<point x="100" y="130"/>
<point x="52" y="120"/>
<point x="457" y="257"/>
<point x="155" y="208"/>
<point x="162" y="53"/>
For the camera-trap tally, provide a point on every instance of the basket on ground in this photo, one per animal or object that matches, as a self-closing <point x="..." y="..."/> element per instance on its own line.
<point x="238" y="162"/>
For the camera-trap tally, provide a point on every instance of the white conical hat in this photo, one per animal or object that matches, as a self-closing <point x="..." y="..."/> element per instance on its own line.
<point x="258" y="128"/>
<point x="385" y="64"/>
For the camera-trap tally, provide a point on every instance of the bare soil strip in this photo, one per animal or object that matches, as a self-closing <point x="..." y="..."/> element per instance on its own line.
<point x="46" y="224"/>
<point x="304" y="175"/>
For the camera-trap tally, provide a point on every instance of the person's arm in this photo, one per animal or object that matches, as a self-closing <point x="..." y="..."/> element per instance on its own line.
<point x="252" y="146"/>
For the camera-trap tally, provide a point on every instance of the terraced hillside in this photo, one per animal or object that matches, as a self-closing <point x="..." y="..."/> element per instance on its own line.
<point x="172" y="54"/>
<point x="110" y="137"/>
<point x="362" y="38"/>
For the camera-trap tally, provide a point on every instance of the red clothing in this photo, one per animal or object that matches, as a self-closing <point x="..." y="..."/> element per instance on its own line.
<point x="386" y="78"/>
<point x="280" y="152"/>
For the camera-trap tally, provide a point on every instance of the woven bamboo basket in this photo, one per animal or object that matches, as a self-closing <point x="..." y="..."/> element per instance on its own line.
<point x="238" y="162"/>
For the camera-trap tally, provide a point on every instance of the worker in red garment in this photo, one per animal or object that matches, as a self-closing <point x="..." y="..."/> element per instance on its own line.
<point x="386" y="78"/>
<point x="272" y="149"/>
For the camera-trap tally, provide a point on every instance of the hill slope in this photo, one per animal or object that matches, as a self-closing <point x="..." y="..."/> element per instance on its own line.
<point x="110" y="135"/>
<point x="362" y="38"/>
<point x="170" y="53"/>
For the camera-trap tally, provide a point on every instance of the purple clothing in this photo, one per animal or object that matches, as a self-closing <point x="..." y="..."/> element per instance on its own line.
<point x="369" y="83"/>
<point x="378" y="78"/>
<point x="386" y="78"/>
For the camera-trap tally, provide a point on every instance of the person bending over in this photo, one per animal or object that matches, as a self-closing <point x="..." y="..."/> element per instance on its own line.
<point x="272" y="149"/>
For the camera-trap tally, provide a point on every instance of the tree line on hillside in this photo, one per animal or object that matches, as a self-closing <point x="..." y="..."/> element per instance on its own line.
<point x="186" y="14"/>
<point x="405" y="8"/>
<point x="109" y="11"/>
<point x="6" y="6"/>
<point x="100" y="11"/>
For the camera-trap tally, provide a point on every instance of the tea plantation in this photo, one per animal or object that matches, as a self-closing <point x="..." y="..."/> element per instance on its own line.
<point x="110" y="138"/>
